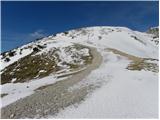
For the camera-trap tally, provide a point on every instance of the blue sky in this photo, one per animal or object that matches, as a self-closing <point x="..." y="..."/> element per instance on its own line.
<point x="22" y="22"/>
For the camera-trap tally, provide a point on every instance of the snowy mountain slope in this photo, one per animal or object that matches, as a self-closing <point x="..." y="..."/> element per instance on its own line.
<point x="129" y="41"/>
<point x="123" y="93"/>
<point x="44" y="62"/>
<point x="126" y="54"/>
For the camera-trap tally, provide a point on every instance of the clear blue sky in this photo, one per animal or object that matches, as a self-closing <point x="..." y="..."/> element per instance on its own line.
<point x="22" y="22"/>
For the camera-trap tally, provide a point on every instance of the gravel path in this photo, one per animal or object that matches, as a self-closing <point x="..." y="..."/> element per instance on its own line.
<point x="53" y="98"/>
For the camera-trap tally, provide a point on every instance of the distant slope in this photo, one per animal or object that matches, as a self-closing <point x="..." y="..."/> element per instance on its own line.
<point x="154" y="31"/>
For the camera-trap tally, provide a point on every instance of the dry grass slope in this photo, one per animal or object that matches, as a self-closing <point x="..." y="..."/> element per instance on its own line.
<point x="138" y="63"/>
<point x="41" y="65"/>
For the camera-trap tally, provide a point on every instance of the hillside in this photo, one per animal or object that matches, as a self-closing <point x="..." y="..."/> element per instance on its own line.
<point x="92" y="72"/>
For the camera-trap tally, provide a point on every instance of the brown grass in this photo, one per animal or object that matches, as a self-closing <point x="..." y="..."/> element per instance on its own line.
<point x="137" y="63"/>
<point x="28" y="67"/>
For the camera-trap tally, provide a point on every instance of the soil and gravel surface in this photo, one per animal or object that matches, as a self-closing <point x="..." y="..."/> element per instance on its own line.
<point x="53" y="98"/>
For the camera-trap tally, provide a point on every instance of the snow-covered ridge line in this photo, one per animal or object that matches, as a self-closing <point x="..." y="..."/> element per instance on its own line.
<point x="133" y="42"/>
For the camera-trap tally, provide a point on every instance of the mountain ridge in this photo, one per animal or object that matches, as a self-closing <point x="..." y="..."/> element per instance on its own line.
<point x="129" y="58"/>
